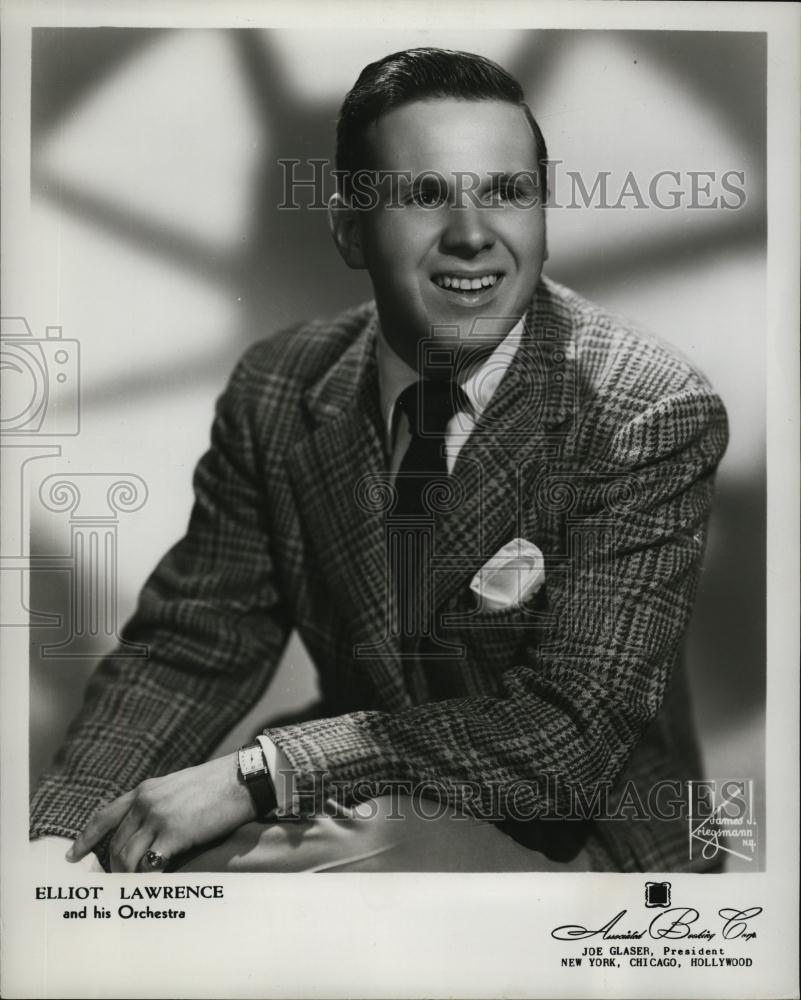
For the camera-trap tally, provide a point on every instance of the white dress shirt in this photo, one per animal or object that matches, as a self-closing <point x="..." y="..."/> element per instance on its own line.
<point x="478" y="385"/>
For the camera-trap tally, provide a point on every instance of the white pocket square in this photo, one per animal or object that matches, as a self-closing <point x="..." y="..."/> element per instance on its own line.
<point x="514" y="573"/>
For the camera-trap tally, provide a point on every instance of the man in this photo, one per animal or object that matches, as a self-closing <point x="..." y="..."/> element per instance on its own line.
<point x="480" y="500"/>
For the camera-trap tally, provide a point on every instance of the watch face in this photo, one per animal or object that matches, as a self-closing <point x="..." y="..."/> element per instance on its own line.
<point x="251" y="759"/>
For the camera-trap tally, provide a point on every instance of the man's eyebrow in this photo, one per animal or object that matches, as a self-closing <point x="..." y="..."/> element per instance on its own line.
<point x="499" y="178"/>
<point x="493" y="178"/>
<point x="430" y="178"/>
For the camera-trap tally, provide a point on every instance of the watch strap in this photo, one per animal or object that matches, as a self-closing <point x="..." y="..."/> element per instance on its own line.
<point x="255" y="775"/>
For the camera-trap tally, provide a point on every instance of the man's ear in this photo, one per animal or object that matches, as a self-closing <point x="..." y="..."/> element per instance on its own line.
<point x="345" y="226"/>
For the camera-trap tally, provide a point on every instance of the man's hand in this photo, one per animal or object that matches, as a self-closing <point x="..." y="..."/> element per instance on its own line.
<point x="170" y="814"/>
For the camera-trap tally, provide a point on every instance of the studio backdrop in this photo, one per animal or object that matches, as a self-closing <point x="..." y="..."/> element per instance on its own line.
<point x="177" y="181"/>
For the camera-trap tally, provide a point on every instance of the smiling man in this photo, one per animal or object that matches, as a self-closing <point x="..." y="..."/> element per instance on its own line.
<point x="442" y="247"/>
<point x="482" y="502"/>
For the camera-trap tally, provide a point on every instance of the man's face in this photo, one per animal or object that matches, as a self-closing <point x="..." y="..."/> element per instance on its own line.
<point x="425" y="243"/>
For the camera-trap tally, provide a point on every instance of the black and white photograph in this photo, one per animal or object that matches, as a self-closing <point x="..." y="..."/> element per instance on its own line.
<point x="399" y="425"/>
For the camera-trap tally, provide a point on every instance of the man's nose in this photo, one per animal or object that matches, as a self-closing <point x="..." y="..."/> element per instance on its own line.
<point x="466" y="232"/>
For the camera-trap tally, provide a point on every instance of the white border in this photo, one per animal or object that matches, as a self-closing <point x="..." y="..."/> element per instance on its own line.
<point x="442" y="935"/>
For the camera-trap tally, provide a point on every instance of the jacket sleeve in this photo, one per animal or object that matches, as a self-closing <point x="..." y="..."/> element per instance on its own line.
<point x="215" y="625"/>
<point x="578" y="701"/>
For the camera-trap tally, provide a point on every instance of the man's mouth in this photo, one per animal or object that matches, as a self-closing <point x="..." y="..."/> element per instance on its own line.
<point x="461" y="283"/>
<point x="468" y="291"/>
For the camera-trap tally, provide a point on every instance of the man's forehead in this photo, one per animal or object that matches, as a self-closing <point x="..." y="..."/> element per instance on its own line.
<point x="452" y="134"/>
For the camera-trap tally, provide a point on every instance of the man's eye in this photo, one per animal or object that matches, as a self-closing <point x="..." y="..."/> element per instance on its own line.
<point x="428" y="197"/>
<point x="506" y="193"/>
<point x="512" y="193"/>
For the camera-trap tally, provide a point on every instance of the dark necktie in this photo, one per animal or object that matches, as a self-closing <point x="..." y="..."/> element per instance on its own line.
<point x="428" y="406"/>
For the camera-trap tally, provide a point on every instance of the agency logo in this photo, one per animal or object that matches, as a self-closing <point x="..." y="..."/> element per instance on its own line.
<point x="657" y="893"/>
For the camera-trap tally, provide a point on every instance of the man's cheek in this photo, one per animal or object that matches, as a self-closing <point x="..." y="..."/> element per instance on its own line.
<point x="524" y="229"/>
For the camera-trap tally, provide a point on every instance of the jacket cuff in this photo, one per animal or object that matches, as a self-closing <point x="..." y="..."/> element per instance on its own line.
<point x="322" y="753"/>
<point x="65" y="811"/>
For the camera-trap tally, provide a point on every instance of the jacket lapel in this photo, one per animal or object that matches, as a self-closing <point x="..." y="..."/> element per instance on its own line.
<point x="518" y="436"/>
<point x="342" y="484"/>
<point x="339" y="473"/>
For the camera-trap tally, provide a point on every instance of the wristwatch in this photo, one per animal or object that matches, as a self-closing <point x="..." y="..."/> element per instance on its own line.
<point x="255" y="775"/>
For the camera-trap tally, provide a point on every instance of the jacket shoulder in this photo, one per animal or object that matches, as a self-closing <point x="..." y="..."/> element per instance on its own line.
<point x="302" y="353"/>
<point x="629" y="381"/>
<point x="612" y="354"/>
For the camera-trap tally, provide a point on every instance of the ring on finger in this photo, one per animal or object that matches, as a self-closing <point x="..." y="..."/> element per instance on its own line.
<point x="153" y="860"/>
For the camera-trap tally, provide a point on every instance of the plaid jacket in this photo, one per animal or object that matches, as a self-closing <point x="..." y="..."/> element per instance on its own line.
<point x="569" y="711"/>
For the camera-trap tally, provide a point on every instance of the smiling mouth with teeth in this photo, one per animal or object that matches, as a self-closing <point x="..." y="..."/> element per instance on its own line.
<point x="458" y="284"/>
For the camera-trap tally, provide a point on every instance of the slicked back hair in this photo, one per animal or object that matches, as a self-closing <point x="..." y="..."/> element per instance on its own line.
<point x="423" y="74"/>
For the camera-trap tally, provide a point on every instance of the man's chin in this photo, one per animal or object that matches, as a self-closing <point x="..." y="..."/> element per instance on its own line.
<point x="493" y="318"/>
<point x="473" y="332"/>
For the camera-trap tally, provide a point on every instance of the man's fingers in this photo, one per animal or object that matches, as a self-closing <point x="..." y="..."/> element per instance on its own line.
<point x="99" y="825"/>
<point x="127" y="829"/>
<point x="128" y="857"/>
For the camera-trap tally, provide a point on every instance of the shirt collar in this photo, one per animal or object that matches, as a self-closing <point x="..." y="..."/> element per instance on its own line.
<point x="394" y="375"/>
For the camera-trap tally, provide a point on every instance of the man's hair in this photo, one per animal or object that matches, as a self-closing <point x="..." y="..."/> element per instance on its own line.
<point x="417" y="75"/>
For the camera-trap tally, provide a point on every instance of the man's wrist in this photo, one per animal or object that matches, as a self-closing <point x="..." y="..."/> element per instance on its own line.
<point x="254" y="774"/>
